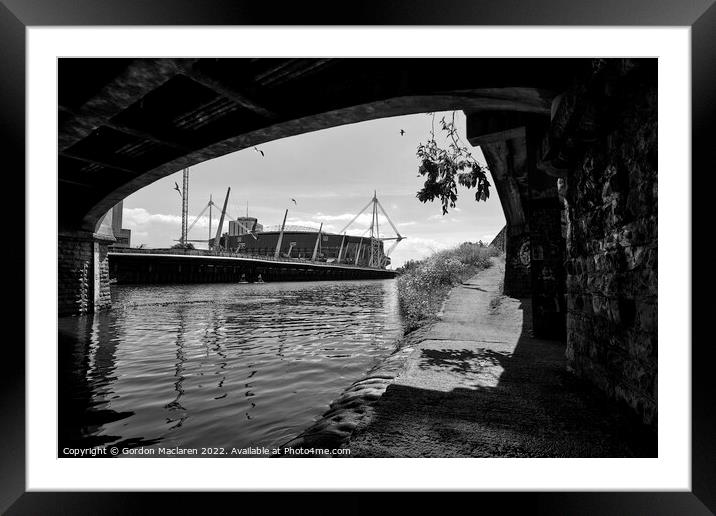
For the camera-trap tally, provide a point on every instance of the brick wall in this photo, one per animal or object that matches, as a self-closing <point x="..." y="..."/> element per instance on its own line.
<point x="611" y="199"/>
<point x="74" y="275"/>
<point x="104" y="300"/>
<point x="76" y="258"/>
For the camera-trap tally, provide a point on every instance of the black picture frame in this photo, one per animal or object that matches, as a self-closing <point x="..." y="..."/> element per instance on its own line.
<point x="17" y="15"/>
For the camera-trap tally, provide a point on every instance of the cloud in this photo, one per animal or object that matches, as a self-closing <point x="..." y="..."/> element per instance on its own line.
<point x="163" y="230"/>
<point x="303" y="197"/>
<point x="417" y="248"/>
<point x="138" y="217"/>
<point x="342" y="216"/>
<point x="133" y="217"/>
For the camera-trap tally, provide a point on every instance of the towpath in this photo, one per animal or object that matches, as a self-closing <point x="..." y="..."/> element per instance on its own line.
<point x="478" y="385"/>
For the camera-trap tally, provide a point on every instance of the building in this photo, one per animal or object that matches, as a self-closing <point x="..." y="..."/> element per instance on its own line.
<point x="244" y="225"/>
<point x="123" y="236"/>
<point x="301" y="244"/>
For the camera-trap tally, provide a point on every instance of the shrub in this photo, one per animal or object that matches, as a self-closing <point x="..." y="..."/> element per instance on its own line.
<point x="424" y="284"/>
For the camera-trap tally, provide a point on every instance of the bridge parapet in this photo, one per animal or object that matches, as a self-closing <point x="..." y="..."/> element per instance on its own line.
<point x="238" y="255"/>
<point x="179" y="267"/>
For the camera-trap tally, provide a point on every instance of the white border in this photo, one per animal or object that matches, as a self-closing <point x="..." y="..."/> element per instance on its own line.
<point x="671" y="471"/>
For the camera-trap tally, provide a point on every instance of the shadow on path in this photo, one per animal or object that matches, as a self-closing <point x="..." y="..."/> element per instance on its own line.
<point x="507" y="395"/>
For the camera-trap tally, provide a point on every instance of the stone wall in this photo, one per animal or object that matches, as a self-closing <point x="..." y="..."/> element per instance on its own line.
<point x="499" y="241"/>
<point x="547" y="244"/>
<point x="103" y="300"/>
<point x="79" y="290"/>
<point x="507" y="160"/>
<point x="74" y="275"/>
<point x="518" y="276"/>
<point x="547" y="268"/>
<point x="611" y="200"/>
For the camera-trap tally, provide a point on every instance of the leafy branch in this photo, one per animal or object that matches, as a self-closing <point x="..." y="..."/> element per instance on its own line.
<point x="445" y="168"/>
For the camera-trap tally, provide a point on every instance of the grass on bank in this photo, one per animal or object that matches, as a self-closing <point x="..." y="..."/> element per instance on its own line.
<point x="424" y="284"/>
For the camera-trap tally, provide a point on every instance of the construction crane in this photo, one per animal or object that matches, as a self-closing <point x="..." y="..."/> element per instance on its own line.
<point x="376" y="260"/>
<point x="185" y="229"/>
<point x="184" y="194"/>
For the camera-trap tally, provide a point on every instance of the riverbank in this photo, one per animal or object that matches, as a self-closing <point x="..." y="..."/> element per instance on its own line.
<point x="423" y="286"/>
<point x="474" y="383"/>
<point x="354" y="408"/>
<point x="477" y="384"/>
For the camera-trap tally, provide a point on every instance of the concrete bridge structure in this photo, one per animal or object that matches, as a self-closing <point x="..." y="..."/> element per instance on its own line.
<point x="143" y="266"/>
<point x="571" y="145"/>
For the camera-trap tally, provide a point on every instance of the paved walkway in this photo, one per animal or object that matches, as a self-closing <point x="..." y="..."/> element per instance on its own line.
<point x="479" y="385"/>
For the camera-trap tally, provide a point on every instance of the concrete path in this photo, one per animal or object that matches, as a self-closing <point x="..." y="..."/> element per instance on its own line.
<point x="478" y="385"/>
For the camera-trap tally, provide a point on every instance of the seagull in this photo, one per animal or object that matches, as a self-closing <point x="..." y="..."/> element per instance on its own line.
<point x="402" y="132"/>
<point x="176" y="187"/>
<point x="259" y="150"/>
<point x="294" y="201"/>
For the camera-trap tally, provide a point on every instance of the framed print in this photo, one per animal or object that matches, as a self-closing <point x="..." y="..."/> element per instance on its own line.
<point x="424" y="239"/>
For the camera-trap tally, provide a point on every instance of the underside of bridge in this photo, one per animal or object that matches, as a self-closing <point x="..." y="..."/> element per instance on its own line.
<point x="571" y="145"/>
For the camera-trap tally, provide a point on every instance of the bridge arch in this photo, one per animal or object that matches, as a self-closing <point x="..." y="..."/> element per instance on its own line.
<point x="124" y="123"/>
<point x="518" y="100"/>
<point x="127" y="123"/>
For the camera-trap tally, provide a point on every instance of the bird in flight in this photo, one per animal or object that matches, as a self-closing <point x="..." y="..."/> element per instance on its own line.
<point x="402" y="132"/>
<point x="176" y="187"/>
<point x="260" y="151"/>
<point x="294" y="201"/>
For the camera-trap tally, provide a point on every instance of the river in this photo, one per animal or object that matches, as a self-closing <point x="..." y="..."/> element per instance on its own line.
<point x="218" y="365"/>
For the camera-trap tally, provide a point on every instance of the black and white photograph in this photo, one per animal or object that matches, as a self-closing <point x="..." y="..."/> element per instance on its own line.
<point x="454" y="245"/>
<point x="357" y="257"/>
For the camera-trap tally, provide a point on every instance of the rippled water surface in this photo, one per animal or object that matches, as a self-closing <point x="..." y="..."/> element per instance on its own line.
<point x="218" y="365"/>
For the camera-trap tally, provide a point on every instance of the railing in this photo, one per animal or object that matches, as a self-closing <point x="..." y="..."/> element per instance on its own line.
<point x="288" y="228"/>
<point x="230" y="254"/>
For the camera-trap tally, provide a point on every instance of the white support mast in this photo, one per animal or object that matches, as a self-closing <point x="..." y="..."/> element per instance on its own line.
<point x="217" y="241"/>
<point x="360" y="244"/>
<point x="318" y="241"/>
<point x="340" y="251"/>
<point x="280" y="236"/>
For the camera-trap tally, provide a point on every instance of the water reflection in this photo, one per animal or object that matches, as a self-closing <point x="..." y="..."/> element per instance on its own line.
<point x="177" y="412"/>
<point x="218" y="365"/>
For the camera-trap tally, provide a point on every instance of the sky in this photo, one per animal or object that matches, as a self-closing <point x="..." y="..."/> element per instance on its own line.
<point x="332" y="175"/>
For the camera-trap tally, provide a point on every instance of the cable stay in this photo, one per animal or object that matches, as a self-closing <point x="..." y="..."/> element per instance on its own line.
<point x="376" y="260"/>
<point x="251" y="231"/>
